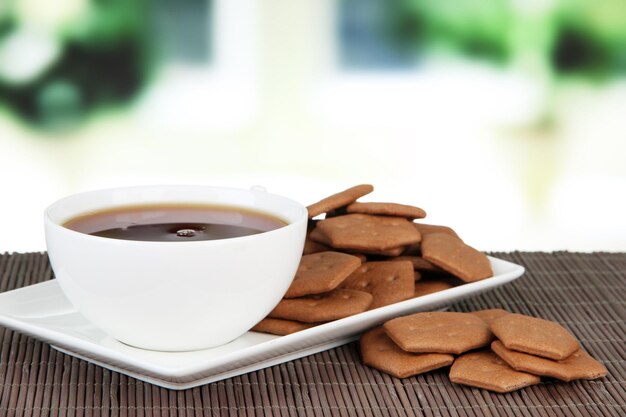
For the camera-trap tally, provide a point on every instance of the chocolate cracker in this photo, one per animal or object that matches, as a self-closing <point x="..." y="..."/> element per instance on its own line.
<point x="379" y="351"/>
<point x="579" y="365"/>
<point x="426" y="229"/>
<point x="534" y="336"/>
<point x="280" y="327"/>
<point x="387" y="209"/>
<point x="430" y="286"/>
<point x="338" y="200"/>
<point x="452" y="255"/>
<point x="321" y="272"/>
<point x="441" y="332"/>
<point x="486" y="370"/>
<point x="388" y="282"/>
<point x="318" y="308"/>
<point x="363" y="232"/>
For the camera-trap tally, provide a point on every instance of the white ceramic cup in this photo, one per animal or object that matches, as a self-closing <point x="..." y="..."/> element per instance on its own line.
<point x="175" y="296"/>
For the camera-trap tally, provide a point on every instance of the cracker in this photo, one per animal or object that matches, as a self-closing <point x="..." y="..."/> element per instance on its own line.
<point x="440" y="332"/>
<point x="430" y="286"/>
<point x="419" y="263"/>
<point x="451" y="254"/>
<point x="579" y="365"/>
<point x="318" y="308"/>
<point x="311" y="246"/>
<point x="379" y="351"/>
<point x="280" y="327"/>
<point x="318" y="236"/>
<point x="321" y="272"/>
<point x="387" y="209"/>
<point x="535" y="336"/>
<point x="340" y="199"/>
<point x="486" y="370"/>
<point x="426" y="229"/>
<point x="361" y="256"/>
<point x="388" y="282"/>
<point x="363" y="232"/>
<point x="490" y="314"/>
<point x="393" y="252"/>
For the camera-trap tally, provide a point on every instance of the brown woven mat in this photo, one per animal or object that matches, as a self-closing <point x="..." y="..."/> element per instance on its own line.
<point x="584" y="292"/>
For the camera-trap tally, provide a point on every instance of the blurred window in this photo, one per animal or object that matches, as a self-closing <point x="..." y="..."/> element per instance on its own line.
<point x="183" y="29"/>
<point x="207" y="53"/>
<point x="372" y="37"/>
<point x="398" y="34"/>
<point x="579" y="38"/>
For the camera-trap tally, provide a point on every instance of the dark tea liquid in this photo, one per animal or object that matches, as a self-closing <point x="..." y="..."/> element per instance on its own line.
<point x="174" y="223"/>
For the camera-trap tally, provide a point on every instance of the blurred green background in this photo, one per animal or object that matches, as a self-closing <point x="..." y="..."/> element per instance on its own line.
<point x="512" y="107"/>
<point x="61" y="63"/>
<point x="570" y="37"/>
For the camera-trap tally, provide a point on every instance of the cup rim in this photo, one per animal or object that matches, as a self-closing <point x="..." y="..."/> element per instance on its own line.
<point x="50" y="222"/>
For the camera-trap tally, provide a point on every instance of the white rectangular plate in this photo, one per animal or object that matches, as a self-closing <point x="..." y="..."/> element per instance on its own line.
<point x="42" y="311"/>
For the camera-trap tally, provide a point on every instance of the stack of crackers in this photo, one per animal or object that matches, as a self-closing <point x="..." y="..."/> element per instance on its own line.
<point x="523" y="349"/>
<point x="366" y="255"/>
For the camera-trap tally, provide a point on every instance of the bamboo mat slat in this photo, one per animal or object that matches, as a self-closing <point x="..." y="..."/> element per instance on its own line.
<point x="584" y="292"/>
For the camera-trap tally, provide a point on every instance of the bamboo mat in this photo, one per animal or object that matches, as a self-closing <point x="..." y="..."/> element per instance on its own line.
<point x="584" y="292"/>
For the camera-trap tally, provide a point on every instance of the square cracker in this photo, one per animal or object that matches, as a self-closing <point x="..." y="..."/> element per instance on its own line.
<point x="486" y="370"/>
<point x="579" y="365"/>
<point x="430" y="286"/>
<point x="388" y="282"/>
<point x="441" y="332"/>
<point x="425" y="229"/>
<point x="333" y="305"/>
<point x="363" y="232"/>
<point x="280" y="327"/>
<point x="338" y="200"/>
<point x="534" y="336"/>
<point x="451" y="254"/>
<point x="317" y="236"/>
<point x="387" y="209"/>
<point x="321" y="272"/>
<point x="379" y="351"/>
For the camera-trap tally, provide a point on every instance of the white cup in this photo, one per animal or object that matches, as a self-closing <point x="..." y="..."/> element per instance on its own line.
<point x="175" y="296"/>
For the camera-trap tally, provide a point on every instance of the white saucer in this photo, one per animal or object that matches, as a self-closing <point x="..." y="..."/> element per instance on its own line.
<point x="42" y="311"/>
